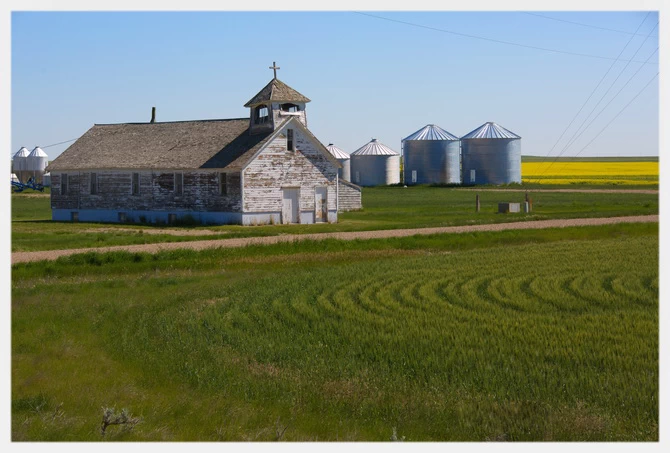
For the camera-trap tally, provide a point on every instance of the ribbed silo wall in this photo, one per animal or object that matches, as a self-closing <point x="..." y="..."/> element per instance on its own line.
<point x="20" y="168"/>
<point x="376" y="170"/>
<point x="435" y="161"/>
<point x="495" y="161"/>
<point x="35" y="165"/>
<point x="345" y="171"/>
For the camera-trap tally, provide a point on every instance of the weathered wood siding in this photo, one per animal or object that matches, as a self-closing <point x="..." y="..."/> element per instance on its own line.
<point x="156" y="192"/>
<point x="278" y="116"/>
<point x="350" y="196"/>
<point x="276" y="167"/>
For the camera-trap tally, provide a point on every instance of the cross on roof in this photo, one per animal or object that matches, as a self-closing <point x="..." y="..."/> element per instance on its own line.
<point x="274" y="67"/>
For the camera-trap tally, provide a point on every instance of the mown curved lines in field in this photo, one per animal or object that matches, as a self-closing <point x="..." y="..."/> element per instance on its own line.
<point x="635" y="288"/>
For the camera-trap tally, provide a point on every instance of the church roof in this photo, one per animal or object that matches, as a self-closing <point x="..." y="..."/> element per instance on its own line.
<point x="276" y="91"/>
<point x="174" y="145"/>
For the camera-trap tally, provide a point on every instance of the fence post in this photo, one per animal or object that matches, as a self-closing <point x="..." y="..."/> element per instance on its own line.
<point x="477" y="202"/>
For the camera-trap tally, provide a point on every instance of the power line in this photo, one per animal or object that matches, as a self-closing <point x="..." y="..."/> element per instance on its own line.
<point x="578" y="133"/>
<point x="572" y="140"/>
<point x="617" y="115"/>
<point x="585" y="25"/>
<point x="610" y="101"/>
<point x="442" y="30"/>
<point x="589" y="98"/>
<point x="60" y="143"/>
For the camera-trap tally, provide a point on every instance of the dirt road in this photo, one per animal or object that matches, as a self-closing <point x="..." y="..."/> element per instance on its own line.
<point x="21" y="257"/>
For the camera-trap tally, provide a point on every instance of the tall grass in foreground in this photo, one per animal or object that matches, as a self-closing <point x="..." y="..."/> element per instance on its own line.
<point x="555" y="341"/>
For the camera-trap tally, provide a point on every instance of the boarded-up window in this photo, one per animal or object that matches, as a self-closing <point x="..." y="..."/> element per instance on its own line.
<point x="135" y="183"/>
<point x="63" y="184"/>
<point x="223" y="184"/>
<point x="289" y="139"/>
<point x="178" y="183"/>
<point x="94" y="183"/>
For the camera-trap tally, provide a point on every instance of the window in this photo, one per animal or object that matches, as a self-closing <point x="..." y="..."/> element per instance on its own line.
<point x="179" y="183"/>
<point x="290" y="107"/>
<point x="63" y="184"/>
<point x="289" y="139"/>
<point x="223" y="184"/>
<point x="262" y="115"/>
<point x="94" y="183"/>
<point x="135" y="184"/>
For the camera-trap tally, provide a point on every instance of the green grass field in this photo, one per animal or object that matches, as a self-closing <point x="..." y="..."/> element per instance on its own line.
<point x="384" y="208"/>
<point x="517" y="335"/>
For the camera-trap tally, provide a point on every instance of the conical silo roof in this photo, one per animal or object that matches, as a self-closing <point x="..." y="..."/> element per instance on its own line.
<point x="490" y="130"/>
<point x="337" y="152"/>
<point x="431" y="132"/>
<point x="23" y="152"/>
<point x="37" y="152"/>
<point x="374" y="148"/>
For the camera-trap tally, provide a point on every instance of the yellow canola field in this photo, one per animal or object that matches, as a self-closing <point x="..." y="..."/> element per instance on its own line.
<point x="590" y="172"/>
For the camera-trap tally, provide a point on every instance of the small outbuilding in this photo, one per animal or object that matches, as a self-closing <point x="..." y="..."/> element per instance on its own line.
<point x="491" y="154"/>
<point x="375" y="164"/>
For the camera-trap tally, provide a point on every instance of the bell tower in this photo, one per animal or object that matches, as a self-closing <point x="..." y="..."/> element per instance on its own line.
<point x="275" y="103"/>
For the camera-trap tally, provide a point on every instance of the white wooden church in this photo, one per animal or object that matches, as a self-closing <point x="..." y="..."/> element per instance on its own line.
<point x="267" y="168"/>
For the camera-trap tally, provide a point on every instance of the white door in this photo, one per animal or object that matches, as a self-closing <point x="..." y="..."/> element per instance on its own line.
<point x="472" y="175"/>
<point x="321" y="204"/>
<point x="413" y="176"/>
<point x="289" y="212"/>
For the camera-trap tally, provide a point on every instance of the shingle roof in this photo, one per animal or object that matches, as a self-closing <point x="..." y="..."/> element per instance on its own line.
<point x="276" y="91"/>
<point x="170" y="145"/>
<point x="490" y="130"/>
<point x="431" y="132"/>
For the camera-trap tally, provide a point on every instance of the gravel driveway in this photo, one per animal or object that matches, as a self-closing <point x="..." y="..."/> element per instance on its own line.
<point x="22" y="257"/>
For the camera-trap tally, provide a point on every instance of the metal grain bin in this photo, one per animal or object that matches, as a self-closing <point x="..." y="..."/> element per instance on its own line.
<point x="344" y="159"/>
<point x="20" y="164"/>
<point x="36" y="163"/>
<point x="431" y="155"/>
<point x="491" y="154"/>
<point x="375" y="164"/>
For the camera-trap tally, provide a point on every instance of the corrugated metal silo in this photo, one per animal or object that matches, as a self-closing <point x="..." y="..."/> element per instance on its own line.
<point x="491" y="154"/>
<point x="344" y="159"/>
<point x="37" y="161"/>
<point x="20" y="164"/>
<point x="375" y="164"/>
<point x="431" y="155"/>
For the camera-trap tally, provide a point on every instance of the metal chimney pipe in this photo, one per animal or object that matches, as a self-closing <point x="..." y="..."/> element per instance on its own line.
<point x="153" y="114"/>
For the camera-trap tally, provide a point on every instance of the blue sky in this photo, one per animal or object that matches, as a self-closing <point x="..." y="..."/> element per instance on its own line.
<point x="366" y="76"/>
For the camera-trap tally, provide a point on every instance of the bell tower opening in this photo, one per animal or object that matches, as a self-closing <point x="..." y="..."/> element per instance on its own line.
<point x="274" y="104"/>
